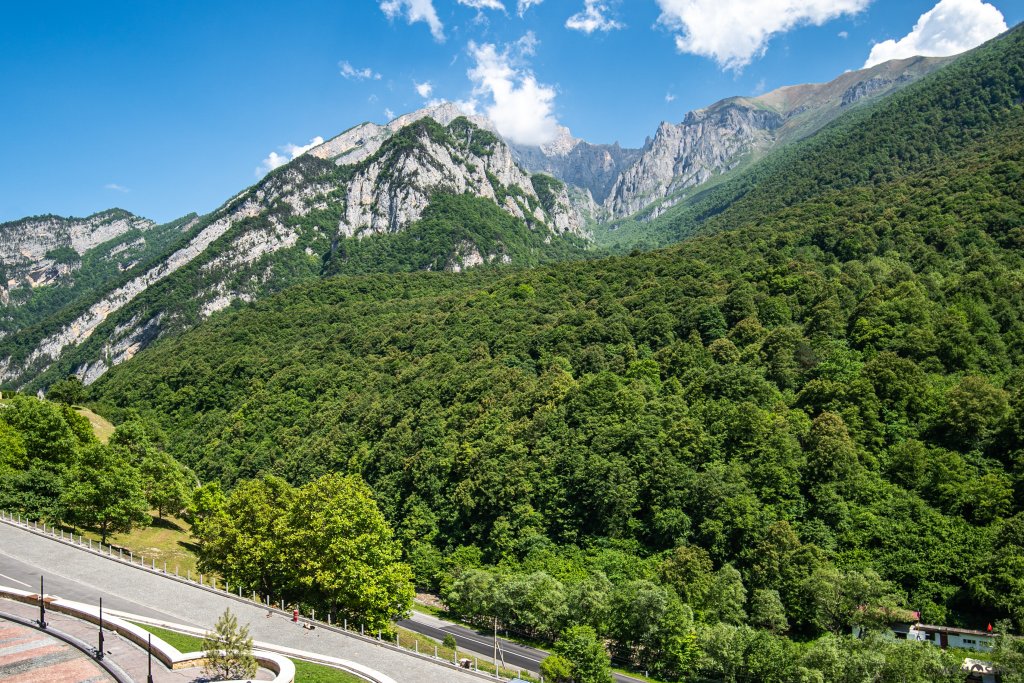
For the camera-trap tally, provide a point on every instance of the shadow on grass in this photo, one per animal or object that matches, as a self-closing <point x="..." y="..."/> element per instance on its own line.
<point x="189" y="546"/>
<point x="165" y="523"/>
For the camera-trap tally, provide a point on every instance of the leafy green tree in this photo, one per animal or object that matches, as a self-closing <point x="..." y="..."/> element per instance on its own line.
<point x="767" y="611"/>
<point x="651" y="627"/>
<point x="587" y="657"/>
<point x="588" y="602"/>
<point x="167" y="483"/>
<point x="69" y="390"/>
<point x="689" y="571"/>
<point x="342" y="552"/>
<point x="102" y="491"/>
<point x="533" y="602"/>
<point x="227" y="650"/>
<point x="473" y="593"/>
<point x="557" y="669"/>
<point x="976" y="409"/>
<point x="247" y="541"/>
<point x="1008" y="654"/>
<point x="726" y="597"/>
<point x="831" y="453"/>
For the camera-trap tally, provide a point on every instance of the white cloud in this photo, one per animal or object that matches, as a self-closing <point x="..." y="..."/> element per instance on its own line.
<point x="526" y="4"/>
<point x="350" y="72"/>
<point x="275" y="160"/>
<point x="483" y="4"/>
<point x="670" y="98"/>
<point x="424" y="89"/>
<point x="734" y="32"/>
<point x="389" y="115"/>
<point x="949" y="28"/>
<point x="413" y="11"/>
<point x="520" y="107"/>
<point x="594" y="17"/>
<point x="843" y="34"/>
<point x="116" y="188"/>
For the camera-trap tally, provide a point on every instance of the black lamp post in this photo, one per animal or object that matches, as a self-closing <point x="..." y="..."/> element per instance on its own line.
<point x="149" y="656"/>
<point x="99" y="651"/>
<point x="42" y="605"/>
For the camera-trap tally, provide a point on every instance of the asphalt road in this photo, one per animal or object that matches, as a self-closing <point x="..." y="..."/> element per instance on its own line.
<point x="17" y="574"/>
<point x="482" y="644"/>
<point x="79" y="575"/>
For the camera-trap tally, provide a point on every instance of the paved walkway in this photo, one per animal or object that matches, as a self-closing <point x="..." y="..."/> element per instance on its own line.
<point x="82" y="576"/>
<point x="131" y="658"/>
<point x="28" y="655"/>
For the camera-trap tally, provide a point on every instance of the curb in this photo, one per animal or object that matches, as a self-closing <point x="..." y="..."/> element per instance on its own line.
<point x="49" y="534"/>
<point x="170" y="656"/>
<point x="108" y="666"/>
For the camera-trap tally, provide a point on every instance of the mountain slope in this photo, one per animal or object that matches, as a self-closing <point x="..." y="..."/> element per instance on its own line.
<point x="870" y="144"/>
<point x="53" y="264"/>
<point x="729" y="133"/>
<point x="829" y="377"/>
<point x="590" y="167"/>
<point x="288" y="227"/>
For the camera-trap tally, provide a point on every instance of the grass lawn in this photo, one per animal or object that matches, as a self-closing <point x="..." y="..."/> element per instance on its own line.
<point x="101" y="427"/>
<point x="164" y="540"/>
<point x="305" y="672"/>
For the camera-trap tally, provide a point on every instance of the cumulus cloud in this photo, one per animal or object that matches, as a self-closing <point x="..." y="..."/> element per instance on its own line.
<point x="424" y="89"/>
<point x="844" y="35"/>
<point x="670" y="98"/>
<point x="116" y="188"/>
<point x="275" y="160"/>
<point x="734" y="32"/>
<point x="413" y="11"/>
<point x="594" y="17"/>
<point x="521" y="108"/>
<point x="526" y="4"/>
<point x="389" y="115"/>
<point x="483" y="4"/>
<point x="949" y="28"/>
<point x="350" y="72"/>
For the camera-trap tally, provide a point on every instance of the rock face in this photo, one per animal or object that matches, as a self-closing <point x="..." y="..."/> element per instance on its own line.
<point x="47" y="250"/>
<point x="717" y="139"/>
<point x="278" y="232"/>
<point x="392" y="189"/>
<point x="146" y="281"/>
<point x="688" y="154"/>
<point x="363" y="141"/>
<point x="593" y="168"/>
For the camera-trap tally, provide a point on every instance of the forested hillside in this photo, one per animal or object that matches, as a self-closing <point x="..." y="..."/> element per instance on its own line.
<point x="811" y="415"/>
<point x="926" y="122"/>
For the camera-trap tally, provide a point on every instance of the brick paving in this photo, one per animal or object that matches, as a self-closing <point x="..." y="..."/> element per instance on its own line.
<point x="30" y="656"/>
<point x="129" y="657"/>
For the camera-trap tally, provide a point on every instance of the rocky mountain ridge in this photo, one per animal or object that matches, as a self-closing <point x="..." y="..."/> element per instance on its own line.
<point x="46" y="250"/>
<point x="280" y="231"/>
<point x="376" y="181"/>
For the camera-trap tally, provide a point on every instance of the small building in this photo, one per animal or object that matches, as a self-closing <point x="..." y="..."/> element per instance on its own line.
<point x="978" y="671"/>
<point x="950" y="636"/>
<point x="943" y="636"/>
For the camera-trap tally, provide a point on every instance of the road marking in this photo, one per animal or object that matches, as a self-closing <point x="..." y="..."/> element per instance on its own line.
<point x="20" y="583"/>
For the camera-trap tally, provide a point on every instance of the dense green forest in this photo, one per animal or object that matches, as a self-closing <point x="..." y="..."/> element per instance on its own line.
<point x="903" y="133"/>
<point x="715" y="458"/>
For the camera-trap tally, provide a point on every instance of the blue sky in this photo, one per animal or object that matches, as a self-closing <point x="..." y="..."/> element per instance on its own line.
<point x="168" y="107"/>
